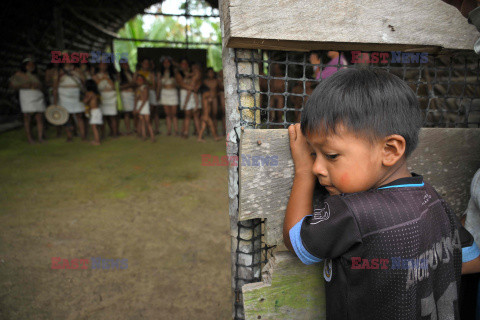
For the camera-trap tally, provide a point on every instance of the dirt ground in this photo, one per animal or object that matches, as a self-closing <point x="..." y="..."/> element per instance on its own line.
<point x="153" y="204"/>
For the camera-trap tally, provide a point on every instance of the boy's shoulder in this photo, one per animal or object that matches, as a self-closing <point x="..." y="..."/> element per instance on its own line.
<point x="412" y="188"/>
<point x="393" y="205"/>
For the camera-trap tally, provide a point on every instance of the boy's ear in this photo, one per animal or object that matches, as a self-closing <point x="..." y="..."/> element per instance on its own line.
<point x="393" y="149"/>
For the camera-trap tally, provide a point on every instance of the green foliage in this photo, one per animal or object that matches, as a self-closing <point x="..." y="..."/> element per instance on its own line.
<point x="214" y="57"/>
<point x="170" y="29"/>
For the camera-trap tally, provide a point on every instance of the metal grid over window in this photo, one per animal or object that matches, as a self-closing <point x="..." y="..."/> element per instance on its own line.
<point x="446" y="86"/>
<point x="251" y="255"/>
<point x="273" y="93"/>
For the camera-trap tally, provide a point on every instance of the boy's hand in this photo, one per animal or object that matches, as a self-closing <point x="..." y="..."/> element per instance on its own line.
<point x="301" y="151"/>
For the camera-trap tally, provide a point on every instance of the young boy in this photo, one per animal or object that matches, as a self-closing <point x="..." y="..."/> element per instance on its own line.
<point x="392" y="247"/>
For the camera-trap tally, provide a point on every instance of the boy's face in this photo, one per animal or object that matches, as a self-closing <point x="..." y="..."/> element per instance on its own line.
<point x="345" y="163"/>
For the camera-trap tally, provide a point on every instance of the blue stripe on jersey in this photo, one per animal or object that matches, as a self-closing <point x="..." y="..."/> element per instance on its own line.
<point x="470" y="253"/>
<point x="404" y="186"/>
<point x="297" y="244"/>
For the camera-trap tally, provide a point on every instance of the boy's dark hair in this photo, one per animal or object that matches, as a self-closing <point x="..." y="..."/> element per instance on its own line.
<point x="373" y="103"/>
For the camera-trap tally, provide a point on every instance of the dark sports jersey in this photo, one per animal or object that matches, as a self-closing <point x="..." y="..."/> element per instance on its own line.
<point x="391" y="253"/>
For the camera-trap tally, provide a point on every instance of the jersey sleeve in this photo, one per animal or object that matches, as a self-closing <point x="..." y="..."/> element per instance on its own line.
<point x="328" y="233"/>
<point x="470" y="249"/>
<point x="470" y="253"/>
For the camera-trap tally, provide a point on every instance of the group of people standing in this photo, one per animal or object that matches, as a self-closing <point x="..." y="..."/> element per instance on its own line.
<point x="96" y="91"/>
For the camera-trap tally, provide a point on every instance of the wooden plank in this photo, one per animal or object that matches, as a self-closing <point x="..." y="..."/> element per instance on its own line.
<point x="447" y="158"/>
<point x="264" y="189"/>
<point x="346" y="25"/>
<point x="290" y="290"/>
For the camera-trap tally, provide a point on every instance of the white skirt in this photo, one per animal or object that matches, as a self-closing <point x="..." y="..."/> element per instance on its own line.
<point x="152" y="97"/>
<point x="191" y="100"/>
<point x="69" y="98"/>
<point x="128" y="100"/>
<point x="108" y="104"/>
<point x="146" y="107"/>
<point x="96" y="116"/>
<point x="169" y="97"/>
<point x="32" y="100"/>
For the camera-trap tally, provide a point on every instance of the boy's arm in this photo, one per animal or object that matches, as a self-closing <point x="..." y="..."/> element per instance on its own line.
<point x="472" y="266"/>
<point x="300" y="201"/>
<point x="327" y="233"/>
<point x="470" y="258"/>
<point x="470" y="250"/>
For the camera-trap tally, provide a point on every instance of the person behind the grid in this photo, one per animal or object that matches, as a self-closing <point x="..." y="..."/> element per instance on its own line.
<point x="391" y="247"/>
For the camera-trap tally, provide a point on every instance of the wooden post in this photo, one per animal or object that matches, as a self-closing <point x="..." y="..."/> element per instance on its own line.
<point x="245" y="236"/>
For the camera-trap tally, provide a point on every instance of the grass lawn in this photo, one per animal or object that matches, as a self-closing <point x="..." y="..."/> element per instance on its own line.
<point x="153" y="204"/>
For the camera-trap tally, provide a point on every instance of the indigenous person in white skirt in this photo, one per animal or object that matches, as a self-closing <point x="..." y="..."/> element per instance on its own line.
<point x="127" y="86"/>
<point x="105" y="79"/>
<point x="142" y="108"/>
<point x="51" y="76"/>
<point x="184" y="79"/>
<point x="84" y="69"/>
<point x="66" y="93"/>
<point x="210" y="103"/>
<point x="168" y="95"/>
<point x="149" y="75"/>
<point x="196" y="95"/>
<point x="91" y="99"/>
<point x="31" y="97"/>
<point x="155" y="107"/>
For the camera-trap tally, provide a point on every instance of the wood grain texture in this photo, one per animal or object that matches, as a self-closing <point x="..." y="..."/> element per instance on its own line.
<point x="346" y="25"/>
<point x="264" y="189"/>
<point x="447" y="158"/>
<point x="290" y="290"/>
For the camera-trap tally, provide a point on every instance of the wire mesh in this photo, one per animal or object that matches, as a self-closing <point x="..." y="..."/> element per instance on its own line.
<point x="251" y="255"/>
<point x="447" y="87"/>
